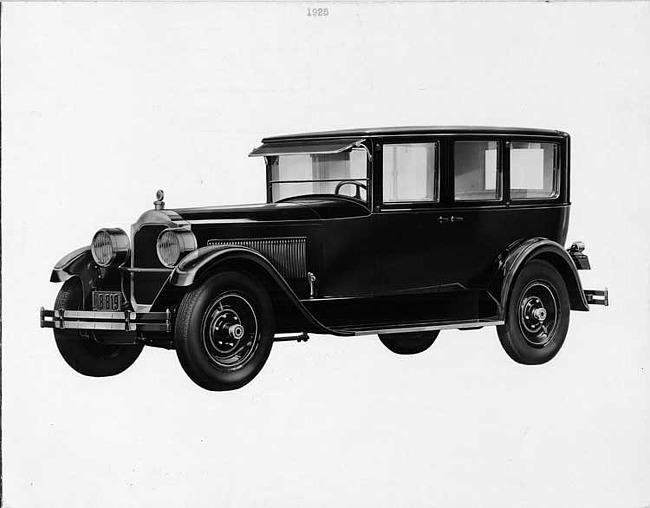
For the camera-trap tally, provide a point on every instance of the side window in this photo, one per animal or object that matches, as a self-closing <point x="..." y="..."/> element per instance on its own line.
<point x="410" y="172"/>
<point x="476" y="174"/>
<point x="534" y="172"/>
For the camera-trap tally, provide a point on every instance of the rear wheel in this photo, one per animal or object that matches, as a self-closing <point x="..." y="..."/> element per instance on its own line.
<point x="224" y="331"/>
<point x="537" y="315"/>
<point x="409" y="343"/>
<point x="83" y="350"/>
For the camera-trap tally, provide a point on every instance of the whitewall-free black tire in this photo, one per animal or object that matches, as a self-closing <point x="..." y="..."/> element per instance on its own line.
<point x="537" y="315"/>
<point x="81" y="350"/>
<point x="224" y="331"/>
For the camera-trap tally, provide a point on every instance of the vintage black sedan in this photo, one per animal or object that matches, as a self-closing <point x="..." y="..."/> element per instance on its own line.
<point x="399" y="232"/>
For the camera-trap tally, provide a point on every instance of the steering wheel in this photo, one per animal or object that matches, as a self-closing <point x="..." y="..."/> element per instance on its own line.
<point x="358" y="185"/>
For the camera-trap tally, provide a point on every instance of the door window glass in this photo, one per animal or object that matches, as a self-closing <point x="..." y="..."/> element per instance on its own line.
<point x="410" y="172"/>
<point x="476" y="173"/>
<point x="533" y="170"/>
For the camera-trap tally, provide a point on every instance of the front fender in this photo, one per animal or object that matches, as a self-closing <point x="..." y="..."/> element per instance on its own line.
<point x="204" y="258"/>
<point x="80" y="263"/>
<point x="513" y="260"/>
<point x="77" y="262"/>
<point x="208" y="259"/>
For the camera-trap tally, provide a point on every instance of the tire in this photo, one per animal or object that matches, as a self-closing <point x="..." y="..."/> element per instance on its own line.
<point x="81" y="350"/>
<point x="224" y="331"/>
<point x="409" y="343"/>
<point x="537" y="315"/>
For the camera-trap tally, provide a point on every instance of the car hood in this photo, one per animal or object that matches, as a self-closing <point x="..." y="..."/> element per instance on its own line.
<point x="297" y="209"/>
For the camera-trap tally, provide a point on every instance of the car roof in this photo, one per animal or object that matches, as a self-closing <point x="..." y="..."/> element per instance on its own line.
<point x="417" y="130"/>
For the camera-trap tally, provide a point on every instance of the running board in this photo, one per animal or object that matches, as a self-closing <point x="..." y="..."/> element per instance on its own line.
<point x="419" y="327"/>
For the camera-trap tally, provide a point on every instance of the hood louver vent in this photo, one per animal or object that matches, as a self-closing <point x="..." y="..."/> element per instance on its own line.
<point x="288" y="255"/>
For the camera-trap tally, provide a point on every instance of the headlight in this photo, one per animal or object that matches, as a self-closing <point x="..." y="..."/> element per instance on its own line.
<point x="173" y="244"/>
<point x="110" y="246"/>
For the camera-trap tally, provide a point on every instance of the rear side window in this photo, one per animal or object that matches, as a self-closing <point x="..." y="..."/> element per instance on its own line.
<point x="534" y="170"/>
<point x="410" y="172"/>
<point x="476" y="173"/>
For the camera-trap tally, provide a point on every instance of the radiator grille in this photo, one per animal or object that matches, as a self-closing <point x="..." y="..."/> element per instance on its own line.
<point x="145" y="286"/>
<point x="144" y="246"/>
<point x="286" y="254"/>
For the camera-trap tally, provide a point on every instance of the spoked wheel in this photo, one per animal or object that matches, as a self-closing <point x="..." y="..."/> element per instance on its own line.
<point x="409" y="343"/>
<point x="84" y="350"/>
<point x="224" y="331"/>
<point x="537" y="317"/>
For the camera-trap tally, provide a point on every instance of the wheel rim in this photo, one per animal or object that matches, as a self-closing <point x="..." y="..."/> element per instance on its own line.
<point x="229" y="331"/>
<point x="538" y="313"/>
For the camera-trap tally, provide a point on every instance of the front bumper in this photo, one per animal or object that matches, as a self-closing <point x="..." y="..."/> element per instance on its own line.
<point x="126" y="321"/>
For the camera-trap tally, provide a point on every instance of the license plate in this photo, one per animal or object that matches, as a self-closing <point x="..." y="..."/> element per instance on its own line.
<point x="107" y="301"/>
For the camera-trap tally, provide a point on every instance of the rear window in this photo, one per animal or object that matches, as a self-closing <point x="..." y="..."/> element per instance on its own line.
<point x="534" y="170"/>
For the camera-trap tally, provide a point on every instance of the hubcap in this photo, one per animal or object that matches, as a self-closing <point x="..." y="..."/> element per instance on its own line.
<point x="229" y="331"/>
<point x="538" y="313"/>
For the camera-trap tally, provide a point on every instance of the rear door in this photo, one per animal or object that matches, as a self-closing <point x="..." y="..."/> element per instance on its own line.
<point x="473" y="231"/>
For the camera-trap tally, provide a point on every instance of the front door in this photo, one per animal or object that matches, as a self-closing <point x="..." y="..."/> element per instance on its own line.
<point x="406" y="216"/>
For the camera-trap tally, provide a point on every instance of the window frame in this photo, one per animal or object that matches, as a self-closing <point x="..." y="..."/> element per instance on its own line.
<point x="378" y="173"/>
<point x="561" y="169"/>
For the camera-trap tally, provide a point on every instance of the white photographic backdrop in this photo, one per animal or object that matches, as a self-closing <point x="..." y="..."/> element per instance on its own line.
<point x="104" y="103"/>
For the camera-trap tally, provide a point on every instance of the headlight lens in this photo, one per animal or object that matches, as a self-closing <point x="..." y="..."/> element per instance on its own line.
<point x="110" y="246"/>
<point x="173" y="244"/>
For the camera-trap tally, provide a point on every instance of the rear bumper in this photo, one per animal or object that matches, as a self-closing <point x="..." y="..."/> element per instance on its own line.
<point x="581" y="261"/>
<point x="597" y="296"/>
<point x="127" y="321"/>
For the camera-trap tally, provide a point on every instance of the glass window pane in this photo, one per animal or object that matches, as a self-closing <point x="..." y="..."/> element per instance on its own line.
<point x="299" y="175"/>
<point x="410" y="172"/>
<point x="533" y="170"/>
<point x="476" y="174"/>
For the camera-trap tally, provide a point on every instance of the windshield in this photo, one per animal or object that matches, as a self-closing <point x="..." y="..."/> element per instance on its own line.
<point x="344" y="174"/>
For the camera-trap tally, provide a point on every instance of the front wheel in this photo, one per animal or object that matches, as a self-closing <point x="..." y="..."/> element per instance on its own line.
<point x="224" y="331"/>
<point x="84" y="351"/>
<point x="537" y="315"/>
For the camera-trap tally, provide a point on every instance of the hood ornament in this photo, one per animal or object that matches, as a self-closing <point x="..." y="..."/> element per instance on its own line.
<point x="159" y="204"/>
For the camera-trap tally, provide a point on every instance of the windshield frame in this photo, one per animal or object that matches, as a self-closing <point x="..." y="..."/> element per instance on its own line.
<point x="366" y="145"/>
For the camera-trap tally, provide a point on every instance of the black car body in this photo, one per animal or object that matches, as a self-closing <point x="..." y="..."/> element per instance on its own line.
<point x="399" y="232"/>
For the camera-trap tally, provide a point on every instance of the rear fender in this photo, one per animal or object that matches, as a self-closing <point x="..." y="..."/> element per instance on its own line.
<point x="516" y="256"/>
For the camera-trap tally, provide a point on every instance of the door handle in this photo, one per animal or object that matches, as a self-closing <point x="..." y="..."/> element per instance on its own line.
<point x="442" y="219"/>
<point x="456" y="219"/>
